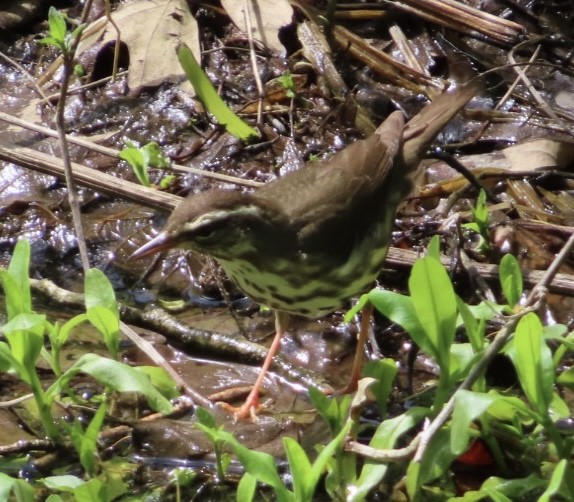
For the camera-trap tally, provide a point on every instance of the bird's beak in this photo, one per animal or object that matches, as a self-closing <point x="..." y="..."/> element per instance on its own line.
<point x="158" y="243"/>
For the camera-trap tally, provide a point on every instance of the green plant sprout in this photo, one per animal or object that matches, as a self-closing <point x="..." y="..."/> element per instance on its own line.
<point x="510" y="277"/>
<point x="142" y="158"/>
<point x="480" y="222"/>
<point x="207" y="424"/>
<point x="288" y="83"/>
<point x="59" y="36"/>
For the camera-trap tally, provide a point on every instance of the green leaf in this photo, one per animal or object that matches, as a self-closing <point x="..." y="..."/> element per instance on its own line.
<point x="91" y="491"/>
<point x="167" y="181"/>
<point x="117" y="376"/>
<point x="142" y="158"/>
<point x="461" y="358"/>
<point x="333" y="410"/>
<point x="533" y="361"/>
<point x="413" y="480"/>
<point x="355" y="309"/>
<point x="22" y="490"/>
<point x="258" y="464"/>
<point x="25" y="334"/>
<point x="205" y="418"/>
<point x="480" y="222"/>
<point x="468" y="406"/>
<point x="400" y="310"/>
<point x="262" y="466"/>
<point x="161" y="380"/>
<point x="434" y="301"/>
<point x="305" y="476"/>
<point x="561" y="474"/>
<point x="386" y="437"/>
<point x="246" y="488"/>
<point x="434" y="247"/>
<point x="517" y="488"/>
<point x="79" y="71"/>
<point x="510" y="279"/>
<point x="86" y="446"/>
<point x="472" y="226"/>
<point x="7" y="360"/>
<point x="13" y="297"/>
<point x="102" y="309"/>
<point x="19" y="269"/>
<point x="25" y="322"/>
<point x="384" y="371"/>
<point x="480" y="212"/>
<point x="507" y="408"/>
<point x="486" y="310"/>
<point x="53" y="42"/>
<point x="77" y="32"/>
<point x="98" y="291"/>
<point x="57" y="24"/>
<point x="304" y="482"/>
<point x="566" y="378"/>
<point x="437" y="458"/>
<point x="325" y="456"/>
<point x="474" y="327"/>
<point x="212" y="433"/>
<point x="64" y="332"/>
<point x="136" y="159"/>
<point x="155" y="156"/>
<point x="106" y="322"/>
<point x="288" y="83"/>
<point x="209" y="97"/>
<point x="64" y="483"/>
<point x="15" y="281"/>
<point x="559" y="407"/>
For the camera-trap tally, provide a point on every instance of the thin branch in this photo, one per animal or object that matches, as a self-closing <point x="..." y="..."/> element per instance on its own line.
<point x="522" y="74"/>
<point x="73" y="198"/>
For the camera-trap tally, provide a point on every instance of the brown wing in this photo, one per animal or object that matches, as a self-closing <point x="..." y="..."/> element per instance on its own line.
<point x="326" y="202"/>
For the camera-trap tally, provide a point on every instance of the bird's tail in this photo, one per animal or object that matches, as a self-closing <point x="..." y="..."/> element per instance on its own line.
<point x="421" y="130"/>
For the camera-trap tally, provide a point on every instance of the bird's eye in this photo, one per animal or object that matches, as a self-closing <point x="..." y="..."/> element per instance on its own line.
<point x="203" y="233"/>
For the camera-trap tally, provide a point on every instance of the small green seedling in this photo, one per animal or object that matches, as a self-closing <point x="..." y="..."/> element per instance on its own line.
<point x="288" y="83"/>
<point x="510" y="277"/>
<point x="206" y="423"/>
<point x="141" y="159"/>
<point x="480" y="222"/>
<point x="59" y="35"/>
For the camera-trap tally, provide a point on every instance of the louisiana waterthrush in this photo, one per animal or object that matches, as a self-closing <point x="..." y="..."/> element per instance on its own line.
<point x="309" y="241"/>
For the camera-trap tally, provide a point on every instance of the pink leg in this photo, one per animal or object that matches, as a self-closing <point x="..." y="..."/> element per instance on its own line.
<point x="251" y="404"/>
<point x="366" y="315"/>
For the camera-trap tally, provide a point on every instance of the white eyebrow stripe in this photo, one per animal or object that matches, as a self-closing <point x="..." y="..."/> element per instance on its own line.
<point x="213" y="216"/>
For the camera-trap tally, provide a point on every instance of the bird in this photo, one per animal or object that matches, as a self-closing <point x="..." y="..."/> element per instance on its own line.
<point x="309" y="241"/>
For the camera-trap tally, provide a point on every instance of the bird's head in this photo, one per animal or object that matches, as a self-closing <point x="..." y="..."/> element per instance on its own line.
<point x="222" y="224"/>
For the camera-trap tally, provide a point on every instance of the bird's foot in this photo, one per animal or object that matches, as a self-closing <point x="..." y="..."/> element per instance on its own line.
<point x="243" y="412"/>
<point x="248" y="409"/>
